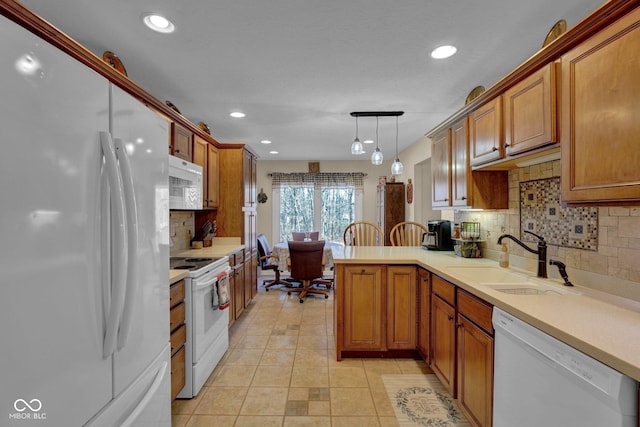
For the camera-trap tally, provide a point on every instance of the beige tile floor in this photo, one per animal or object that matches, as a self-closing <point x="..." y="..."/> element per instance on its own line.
<point x="280" y="370"/>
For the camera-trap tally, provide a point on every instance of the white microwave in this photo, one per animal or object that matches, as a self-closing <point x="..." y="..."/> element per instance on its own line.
<point x="185" y="184"/>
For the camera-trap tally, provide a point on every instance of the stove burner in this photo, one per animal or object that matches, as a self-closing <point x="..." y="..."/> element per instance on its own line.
<point x="199" y="259"/>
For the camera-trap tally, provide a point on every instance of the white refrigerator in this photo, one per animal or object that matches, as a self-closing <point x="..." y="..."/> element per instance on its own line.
<point x="84" y="220"/>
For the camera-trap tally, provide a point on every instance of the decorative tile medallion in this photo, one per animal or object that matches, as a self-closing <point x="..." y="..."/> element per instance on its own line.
<point x="541" y="213"/>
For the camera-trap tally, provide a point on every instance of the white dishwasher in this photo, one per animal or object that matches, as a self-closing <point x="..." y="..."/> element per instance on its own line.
<point x="540" y="381"/>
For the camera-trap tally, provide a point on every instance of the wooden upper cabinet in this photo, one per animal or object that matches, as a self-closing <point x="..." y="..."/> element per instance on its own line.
<point x="181" y="140"/>
<point x="485" y="133"/>
<point x="213" y="180"/>
<point x="199" y="155"/>
<point x="460" y="171"/>
<point x="441" y="170"/>
<point x="599" y="116"/>
<point x="530" y="112"/>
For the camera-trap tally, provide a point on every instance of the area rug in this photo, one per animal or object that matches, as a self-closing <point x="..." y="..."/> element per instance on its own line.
<point x="421" y="400"/>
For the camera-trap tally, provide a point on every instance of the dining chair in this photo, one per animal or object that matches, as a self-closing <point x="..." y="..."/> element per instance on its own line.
<point x="306" y="266"/>
<point x="298" y="236"/>
<point x="407" y="233"/>
<point x="362" y="233"/>
<point x="269" y="261"/>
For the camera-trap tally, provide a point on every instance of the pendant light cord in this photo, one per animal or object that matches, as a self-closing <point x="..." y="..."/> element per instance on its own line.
<point x="396" y="137"/>
<point x="377" y="133"/>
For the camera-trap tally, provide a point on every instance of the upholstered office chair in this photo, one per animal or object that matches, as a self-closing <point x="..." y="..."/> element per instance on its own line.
<point x="306" y="266"/>
<point x="269" y="261"/>
<point x="298" y="236"/>
<point x="362" y="233"/>
<point x="407" y="233"/>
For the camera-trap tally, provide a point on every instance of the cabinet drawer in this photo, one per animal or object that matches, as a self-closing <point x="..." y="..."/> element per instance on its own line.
<point x="176" y="293"/>
<point x="444" y="289"/>
<point x="177" y="373"/>
<point x="176" y="316"/>
<point x="178" y="338"/>
<point x="475" y="310"/>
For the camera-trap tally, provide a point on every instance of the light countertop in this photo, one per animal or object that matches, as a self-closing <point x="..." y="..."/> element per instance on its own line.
<point x="601" y="325"/>
<point x="220" y="246"/>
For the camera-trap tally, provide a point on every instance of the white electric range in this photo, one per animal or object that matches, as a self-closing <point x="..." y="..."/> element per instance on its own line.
<point x="207" y="324"/>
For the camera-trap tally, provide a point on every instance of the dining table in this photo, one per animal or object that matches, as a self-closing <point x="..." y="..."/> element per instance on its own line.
<point x="281" y="249"/>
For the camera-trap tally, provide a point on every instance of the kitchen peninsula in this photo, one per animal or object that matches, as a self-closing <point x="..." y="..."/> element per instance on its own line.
<point x="603" y="326"/>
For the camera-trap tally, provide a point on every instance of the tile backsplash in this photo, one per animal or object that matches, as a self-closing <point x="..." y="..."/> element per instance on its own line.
<point x="615" y="254"/>
<point x="182" y="228"/>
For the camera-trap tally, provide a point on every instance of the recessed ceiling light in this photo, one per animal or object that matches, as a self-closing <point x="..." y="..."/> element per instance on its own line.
<point x="368" y="141"/>
<point x="158" y="23"/>
<point x="273" y="152"/>
<point x="237" y="114"/>
<point x="265" y="141"/>
<point x="443" y="52"/>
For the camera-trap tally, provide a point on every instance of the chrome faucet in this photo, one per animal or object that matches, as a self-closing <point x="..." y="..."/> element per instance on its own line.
<point x="541" y="252"/>
<point x="562" y="270"/>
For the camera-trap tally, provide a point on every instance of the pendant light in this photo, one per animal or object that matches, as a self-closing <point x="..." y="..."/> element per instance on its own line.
<point x="377" y="157"/>
<point x="356" y="147"/>
<point x="397" y="167"/>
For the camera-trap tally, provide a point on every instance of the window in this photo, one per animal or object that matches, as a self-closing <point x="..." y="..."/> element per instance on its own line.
<point x="326" y="202"/>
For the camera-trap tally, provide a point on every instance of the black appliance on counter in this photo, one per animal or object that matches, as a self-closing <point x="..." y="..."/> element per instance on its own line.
<point x="438" y="236"/>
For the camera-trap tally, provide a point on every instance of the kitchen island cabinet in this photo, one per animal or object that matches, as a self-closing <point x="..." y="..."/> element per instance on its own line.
<point x="375" y="313"/>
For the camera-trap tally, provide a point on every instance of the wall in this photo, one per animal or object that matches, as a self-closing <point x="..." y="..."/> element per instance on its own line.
<point x="416" y="153"/>
<point x="618" y="240"/>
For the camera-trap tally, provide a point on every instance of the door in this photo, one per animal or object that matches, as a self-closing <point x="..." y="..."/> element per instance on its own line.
<point x="52" y="111"/>
<point x="144" y="330"/>
<point x="441" y="170"/>
<point x="485" y="133"/>
<point x="460" y="172"/>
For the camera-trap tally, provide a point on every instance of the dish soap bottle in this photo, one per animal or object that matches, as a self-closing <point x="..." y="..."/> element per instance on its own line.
<point x="503" y="259"/>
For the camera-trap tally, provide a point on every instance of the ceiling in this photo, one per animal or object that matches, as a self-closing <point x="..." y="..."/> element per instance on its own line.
<point x="297" y="68"/>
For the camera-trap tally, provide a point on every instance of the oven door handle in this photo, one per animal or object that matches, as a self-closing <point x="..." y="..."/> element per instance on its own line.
<point x="118" y="246"/>
<point x="132" y="241"/>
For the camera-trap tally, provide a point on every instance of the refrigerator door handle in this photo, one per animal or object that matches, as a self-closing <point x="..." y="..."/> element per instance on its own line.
<point x="119" y="246"/>
<point x="132" y="240"/>
<point x="147" y="397"/>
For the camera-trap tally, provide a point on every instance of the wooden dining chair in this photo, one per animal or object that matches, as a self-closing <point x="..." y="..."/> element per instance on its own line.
<point x="362" y="233"/>
<point x="298" y="236"/>
<point x="306" y="266"/>
<point x="407" y="233"/>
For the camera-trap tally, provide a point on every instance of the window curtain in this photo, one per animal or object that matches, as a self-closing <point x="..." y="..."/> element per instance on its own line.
<point x="322" y="180"/>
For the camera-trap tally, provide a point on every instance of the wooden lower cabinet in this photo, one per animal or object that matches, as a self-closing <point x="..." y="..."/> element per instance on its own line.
<point x="475" y="372"/>
<point x="401" y="307"/>
<point x="375" y="308"/>
<point x="178" y="336"/>
<point x="424" y="313"/>
<point x="443" y="342"/>
<point x="462" y="349"/>
<point x="362" y="291"/>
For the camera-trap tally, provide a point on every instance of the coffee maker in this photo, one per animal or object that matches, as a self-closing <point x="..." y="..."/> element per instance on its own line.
<point x="438" y="236"/>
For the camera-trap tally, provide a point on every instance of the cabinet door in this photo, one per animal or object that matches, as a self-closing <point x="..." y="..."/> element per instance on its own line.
<point x="599" y="113"/>
<point x="401" y="307"/>
<point x="530" y="112"/>
<point x="181" y="139"/>
<point x="238" y="290"/>
<point x="249" y="178"/>
<point x="460" y="170"/>
<point x="443" y="342"/>
<point x="363" y="308"/>
<point x="475" y="373"/>
<point x="200" y="158"/>
<point x="212" y="181"/>
<point x="424" y="313"/>
<point x="485" y="133"/>
<point x="441" y="170"/>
